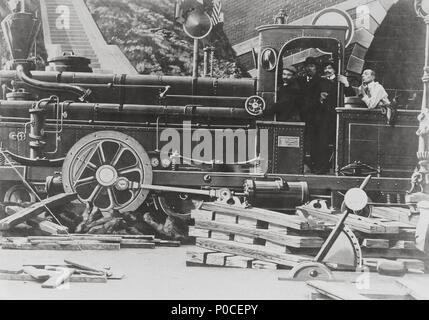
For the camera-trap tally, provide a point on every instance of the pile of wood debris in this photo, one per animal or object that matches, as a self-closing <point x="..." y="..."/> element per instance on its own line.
<point x="64" y="220"/>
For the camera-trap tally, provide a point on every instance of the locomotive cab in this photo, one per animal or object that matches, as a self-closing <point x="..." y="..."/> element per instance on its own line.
<point x="280" y="44"/>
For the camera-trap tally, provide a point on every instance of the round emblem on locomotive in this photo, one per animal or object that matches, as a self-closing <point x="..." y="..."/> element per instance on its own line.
<point x="255" y="105"/>
<point x="269" y="59"/>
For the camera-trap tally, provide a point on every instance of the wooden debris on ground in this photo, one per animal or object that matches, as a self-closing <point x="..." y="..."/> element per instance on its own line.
<point x="35" y="210"/>
<point x="85" y="242"/>
<point x="53" y="276"/>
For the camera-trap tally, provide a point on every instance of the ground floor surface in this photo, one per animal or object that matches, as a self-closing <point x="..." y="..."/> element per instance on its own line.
<point x="159" y="274"/>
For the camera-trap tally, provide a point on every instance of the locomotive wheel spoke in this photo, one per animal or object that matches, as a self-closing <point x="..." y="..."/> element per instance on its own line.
<point x="102" y="153"/>
<point x="85" y="163"/>
<point x="133" y="168"/>
<point x="95" y="193"/>
<point x="112" y="197"/>
<point x="118" y="155"/>
<point x="85" y="181"/>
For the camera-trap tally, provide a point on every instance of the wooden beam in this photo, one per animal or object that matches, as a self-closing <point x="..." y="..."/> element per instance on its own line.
<point x="365" y="225"/>
<point x="251" y="251"/>
<point x="74" y="278"/>
<point x="290" y="221"/>
<point x="279" y="238"/>
<point x="75" y="246"/>
<point x="62" y="276"/>
<point x="35" y="210"/>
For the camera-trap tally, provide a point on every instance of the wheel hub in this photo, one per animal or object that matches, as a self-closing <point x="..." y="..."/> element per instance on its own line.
<point x="106" y="175"/>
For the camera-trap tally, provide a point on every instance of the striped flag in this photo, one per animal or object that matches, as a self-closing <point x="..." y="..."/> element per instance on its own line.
<point x="217" y="16"/>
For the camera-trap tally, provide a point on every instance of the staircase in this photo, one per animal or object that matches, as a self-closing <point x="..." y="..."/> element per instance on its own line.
<point x="69" y="26"/>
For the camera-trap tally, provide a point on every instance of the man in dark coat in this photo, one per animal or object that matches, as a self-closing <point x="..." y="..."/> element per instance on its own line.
<point x="325" y="127"/>
<point x="310" y="85"/>
<point x="287" y="107"/>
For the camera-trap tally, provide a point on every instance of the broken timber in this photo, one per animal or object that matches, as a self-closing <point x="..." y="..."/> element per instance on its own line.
<point x="35" y="210"/>
<point x="276" y="237"/>
<point x="365" y="225"/>
<point x="290" y="221"/>
<point x="251" y="251"/>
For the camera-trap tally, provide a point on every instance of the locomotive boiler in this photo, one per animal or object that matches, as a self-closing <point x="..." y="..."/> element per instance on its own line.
<point x="118" y="140"/>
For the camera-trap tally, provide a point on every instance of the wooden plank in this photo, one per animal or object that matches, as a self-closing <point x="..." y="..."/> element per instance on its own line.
<point x="291" y="221"/>
<point x="362" y="224"/>
<point x="38" y="274"/>
<point x="337" y="291"/>
<point x="376" y="243"/>
<point x="36" y="209"/>
<point x="275" y="247"/>
<point x="415" y="288"/>
<point x="247" y="222"/>
<point x="58" y="279"/>
<point x="202" y="215"/>
<point x="257" y="264"/>
<point x="244" y="239"/>
<point x="239" y="262"/>
<point x="404" y="244"/>
<point x="413" y="264"/>
<point x="394" y="254"/>
<point x="13" y="269"/>
<point x="166" y="243"/>
<point x="219" y="235"/>
<point x="85" y="266"/>
<point x="217" y="258"/>
<point x="275" y="237"/>
<point x="396" y="214"/>
<point x="46" y="226"/>
<point x="251" y="251"/>
<point x="194" y="232"/>
<point x="225" y="217"/>
<point x="74" y="278"/>
<point x="197" y="255"/>
<point x="110" y="236"/>
<point x="61" y="246"/>
<point x="113" y="239"/>
<point x="132" y="244"/>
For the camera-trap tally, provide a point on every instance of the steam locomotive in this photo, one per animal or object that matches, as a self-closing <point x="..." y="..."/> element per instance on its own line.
<point x="117" y="139"/>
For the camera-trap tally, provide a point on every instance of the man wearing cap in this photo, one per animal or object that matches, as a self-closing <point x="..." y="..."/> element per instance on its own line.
<point x="287" y="106"/>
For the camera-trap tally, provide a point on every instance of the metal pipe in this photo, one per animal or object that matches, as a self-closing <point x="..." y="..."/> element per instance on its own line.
<point x="78" y="110"/>
<point x="49" y="86"/>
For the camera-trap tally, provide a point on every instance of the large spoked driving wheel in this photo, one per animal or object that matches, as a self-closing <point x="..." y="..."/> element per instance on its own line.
<point x="96" y="162"/>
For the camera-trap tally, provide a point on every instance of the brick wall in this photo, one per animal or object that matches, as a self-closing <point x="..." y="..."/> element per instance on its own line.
<point x="243" y="16"/>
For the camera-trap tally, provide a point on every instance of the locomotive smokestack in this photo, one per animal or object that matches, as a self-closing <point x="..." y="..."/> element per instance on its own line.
<point x="20" y="30"/>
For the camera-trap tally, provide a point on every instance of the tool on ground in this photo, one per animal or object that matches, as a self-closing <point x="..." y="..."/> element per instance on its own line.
<point x="341" y="247"/>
